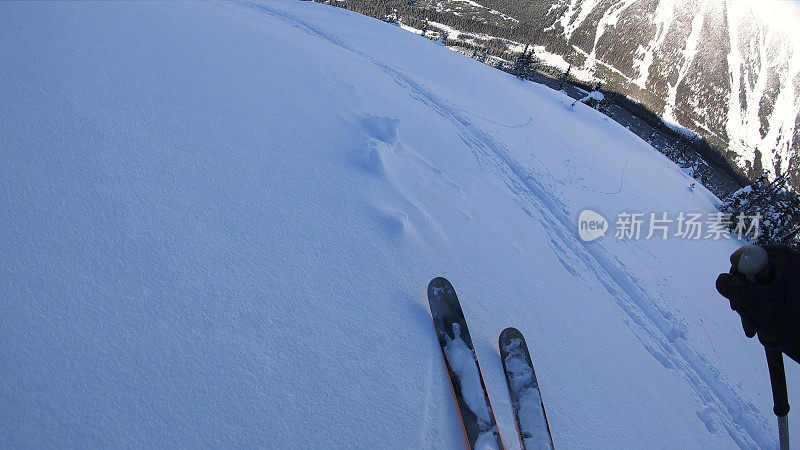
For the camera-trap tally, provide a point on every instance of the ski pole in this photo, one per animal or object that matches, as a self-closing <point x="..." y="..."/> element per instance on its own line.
<point x="753" y="261"/>
<point x="780" y="399"/>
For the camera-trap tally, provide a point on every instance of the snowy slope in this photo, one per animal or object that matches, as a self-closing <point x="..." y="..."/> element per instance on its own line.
<point x="218" y="222"/>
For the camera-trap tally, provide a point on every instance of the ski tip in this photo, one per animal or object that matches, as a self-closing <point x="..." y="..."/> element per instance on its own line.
<point x="510" y="333"/>
<point x="438" y="283"/>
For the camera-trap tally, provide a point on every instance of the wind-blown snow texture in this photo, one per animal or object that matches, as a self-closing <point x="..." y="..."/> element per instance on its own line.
<point x="218" y="221"/>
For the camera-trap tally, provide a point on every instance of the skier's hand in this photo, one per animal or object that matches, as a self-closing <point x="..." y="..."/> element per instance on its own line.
<point x="770" y="305"/>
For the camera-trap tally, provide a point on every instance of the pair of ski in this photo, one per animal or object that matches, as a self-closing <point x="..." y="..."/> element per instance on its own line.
<point x="469" y="389"/>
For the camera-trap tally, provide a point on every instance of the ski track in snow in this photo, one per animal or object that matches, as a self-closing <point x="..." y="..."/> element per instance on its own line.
<point x="718" y="402"/>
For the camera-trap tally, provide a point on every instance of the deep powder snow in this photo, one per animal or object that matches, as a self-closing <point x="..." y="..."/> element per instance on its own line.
<point x="217" y="221"/>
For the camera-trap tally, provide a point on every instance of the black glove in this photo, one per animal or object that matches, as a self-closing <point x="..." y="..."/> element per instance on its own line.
<point x="769" y="306"/>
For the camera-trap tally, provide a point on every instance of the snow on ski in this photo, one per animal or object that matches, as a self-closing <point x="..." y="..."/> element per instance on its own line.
<point x="469" y="389"/>
<point x="526" y="400"/>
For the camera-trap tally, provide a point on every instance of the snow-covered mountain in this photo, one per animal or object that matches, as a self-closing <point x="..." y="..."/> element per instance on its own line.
<point x="729" y="70"/>
<point x="218" y="220"/>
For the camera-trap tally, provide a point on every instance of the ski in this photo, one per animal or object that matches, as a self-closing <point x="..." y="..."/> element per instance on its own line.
<point x="526" y="400"/>
<point x="459" y="355"/>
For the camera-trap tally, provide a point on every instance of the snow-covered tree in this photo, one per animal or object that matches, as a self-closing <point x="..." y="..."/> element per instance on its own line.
<point x="564" y="78"/>
<point x="776" y="207"/>
<point x="592" y="99"/>
<point x="523" y="66"/>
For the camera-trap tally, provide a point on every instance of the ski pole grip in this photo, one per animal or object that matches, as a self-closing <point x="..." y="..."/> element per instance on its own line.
<point x="777" y="377"/>
<point x="754" y="260"/>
